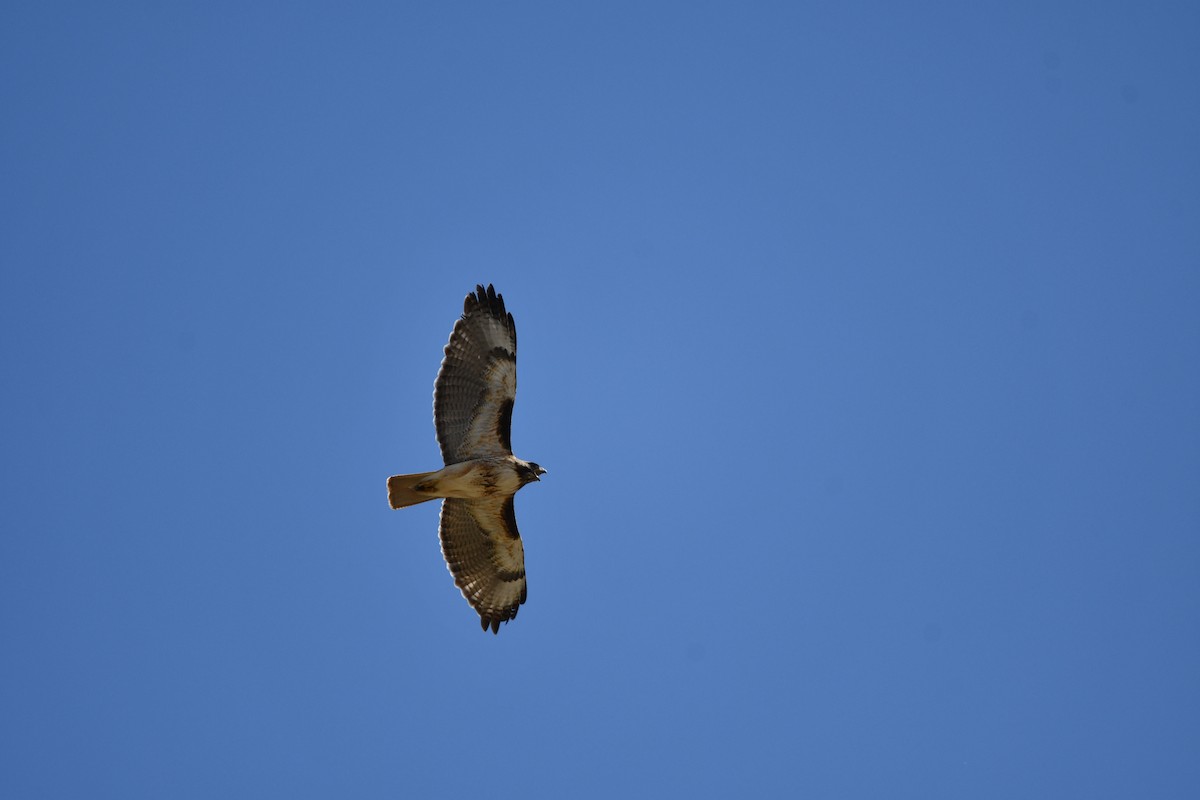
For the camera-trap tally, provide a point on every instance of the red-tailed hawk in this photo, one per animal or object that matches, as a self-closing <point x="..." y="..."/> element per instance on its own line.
<point x="472" y="412"/>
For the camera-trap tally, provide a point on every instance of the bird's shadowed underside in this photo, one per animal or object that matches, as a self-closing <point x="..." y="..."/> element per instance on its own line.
<point x="472" y="413"/>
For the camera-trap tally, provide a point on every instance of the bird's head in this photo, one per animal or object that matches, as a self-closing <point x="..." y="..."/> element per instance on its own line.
<point x="530" y="472"/>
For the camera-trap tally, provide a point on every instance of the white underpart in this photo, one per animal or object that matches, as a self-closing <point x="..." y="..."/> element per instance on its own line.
<point x="469" y="479"/>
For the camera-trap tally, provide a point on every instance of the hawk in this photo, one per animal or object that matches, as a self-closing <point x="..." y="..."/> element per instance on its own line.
<point x="472" y="412"/>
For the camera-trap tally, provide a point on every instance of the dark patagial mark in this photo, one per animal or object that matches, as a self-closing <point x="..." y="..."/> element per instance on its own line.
<point x="501" y="353"/>
<point x="504" y="424"/>
<point x="510" y="575"/>
<point x="510" y="518"/>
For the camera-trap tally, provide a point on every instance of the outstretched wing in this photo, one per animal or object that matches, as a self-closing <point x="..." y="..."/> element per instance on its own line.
<point x="483" y="550"/>
<point x="475" y="388"/>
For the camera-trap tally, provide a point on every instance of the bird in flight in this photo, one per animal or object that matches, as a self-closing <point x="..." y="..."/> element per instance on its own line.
<point x="472" y="412"/>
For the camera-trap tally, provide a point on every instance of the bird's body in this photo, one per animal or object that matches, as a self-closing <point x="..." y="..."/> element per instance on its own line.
<point x="472" y="412"/>
<point x="477" y="479"/>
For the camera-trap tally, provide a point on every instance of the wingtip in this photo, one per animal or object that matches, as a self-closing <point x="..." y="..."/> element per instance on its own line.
<point x="486" y="622"/>
<point x="489" y="299"/>
<point x="486" y="297"/>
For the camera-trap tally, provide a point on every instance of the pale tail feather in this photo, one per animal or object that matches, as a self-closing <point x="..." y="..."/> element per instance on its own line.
<point x="401" y="492"/>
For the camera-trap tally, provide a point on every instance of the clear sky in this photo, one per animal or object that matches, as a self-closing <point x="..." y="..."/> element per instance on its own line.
<point x="861" y="342"/>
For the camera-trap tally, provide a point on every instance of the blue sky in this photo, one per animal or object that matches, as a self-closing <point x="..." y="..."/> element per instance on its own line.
<point x="860" y="342"/>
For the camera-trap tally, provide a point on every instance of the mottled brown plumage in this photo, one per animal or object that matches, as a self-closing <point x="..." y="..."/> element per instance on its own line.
<point x="472" y="412"/>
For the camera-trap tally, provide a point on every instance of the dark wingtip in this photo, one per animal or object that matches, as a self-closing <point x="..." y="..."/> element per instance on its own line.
<point x="492" y="622"/>
<point x="487" y="298"/>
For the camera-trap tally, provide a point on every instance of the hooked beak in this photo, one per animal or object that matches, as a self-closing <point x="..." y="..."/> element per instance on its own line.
<point x="537" y="472"/>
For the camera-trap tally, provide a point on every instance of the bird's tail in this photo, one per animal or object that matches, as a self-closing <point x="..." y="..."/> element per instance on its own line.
<point x="401" y="492"/>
